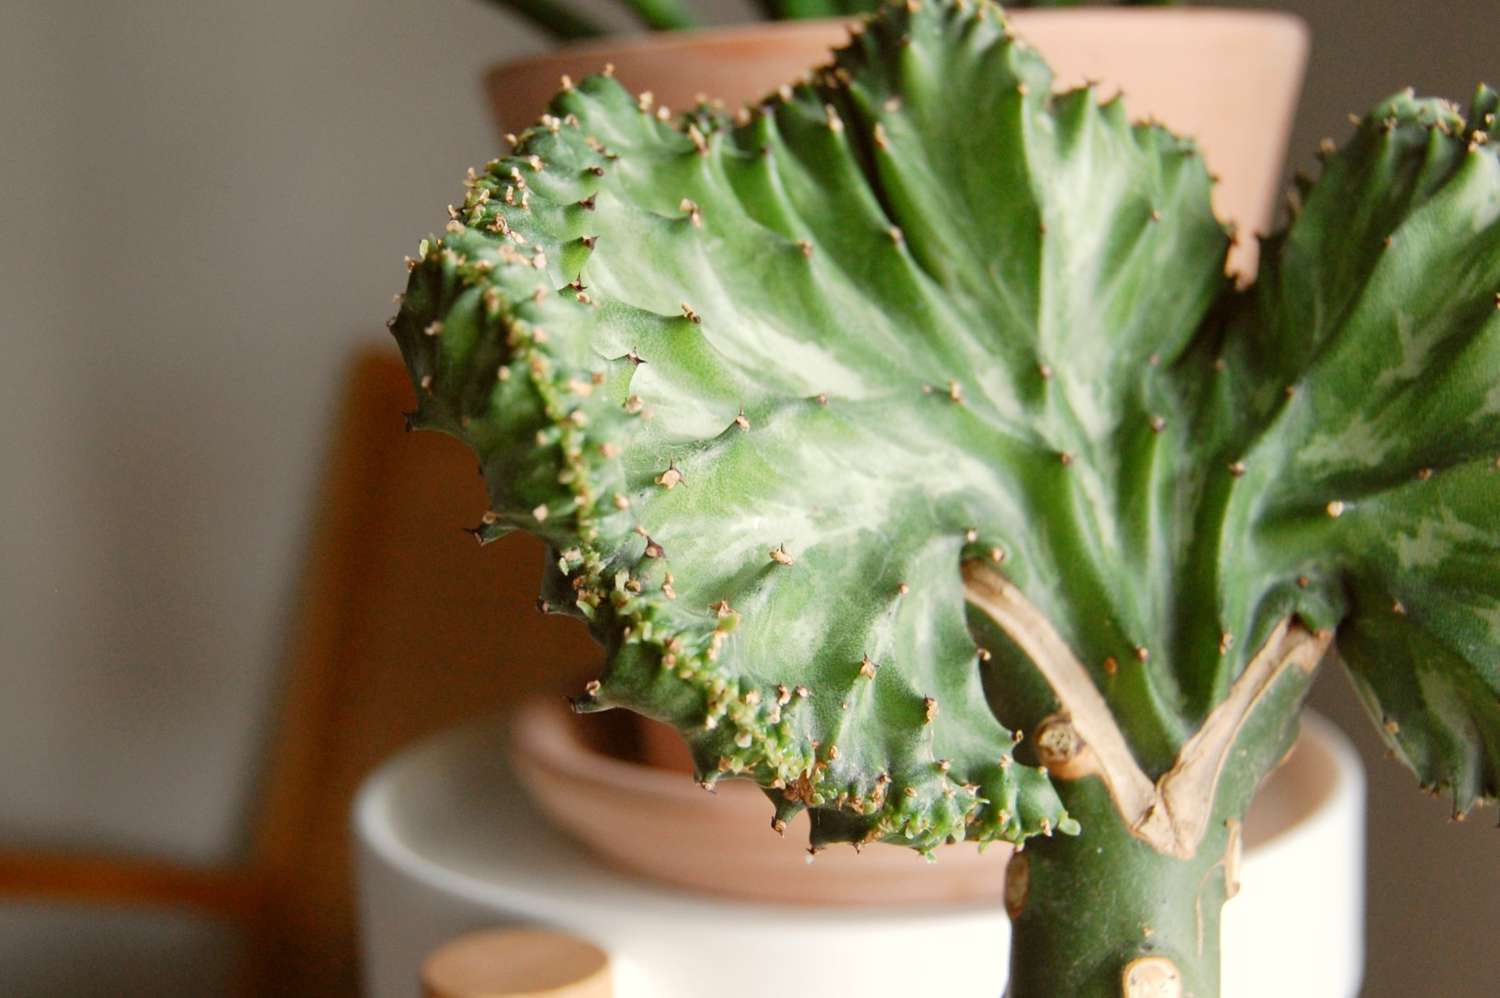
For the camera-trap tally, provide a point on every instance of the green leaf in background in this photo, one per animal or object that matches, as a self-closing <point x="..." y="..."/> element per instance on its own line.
<point x="563" y="24"/>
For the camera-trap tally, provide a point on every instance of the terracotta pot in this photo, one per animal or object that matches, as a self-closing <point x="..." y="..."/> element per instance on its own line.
<point x="658" y="823"/>
<point x="661" y="746"/>
<point x="1228" y="78"/>
<point x="654" y="821"/>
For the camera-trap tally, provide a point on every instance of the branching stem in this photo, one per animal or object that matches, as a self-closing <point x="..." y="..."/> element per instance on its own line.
<point x="1172" y="813"/>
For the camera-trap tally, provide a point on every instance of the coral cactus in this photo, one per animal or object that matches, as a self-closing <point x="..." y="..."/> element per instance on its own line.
<point x="905" y="444"/>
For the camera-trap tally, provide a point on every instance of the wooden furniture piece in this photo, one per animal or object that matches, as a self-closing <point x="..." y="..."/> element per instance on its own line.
<point x="517" y="963"/>
<point x="404" y="627"/>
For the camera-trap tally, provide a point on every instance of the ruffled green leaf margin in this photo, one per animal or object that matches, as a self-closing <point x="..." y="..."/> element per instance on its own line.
<point x="1371" y="354"/>
<point x="764" y="381"/>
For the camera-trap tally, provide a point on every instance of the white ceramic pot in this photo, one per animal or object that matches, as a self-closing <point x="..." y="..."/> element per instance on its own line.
<point x="447" y="843"/>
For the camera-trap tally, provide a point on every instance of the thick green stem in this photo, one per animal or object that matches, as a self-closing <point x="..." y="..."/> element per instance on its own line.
<point x="1086" y="908"/>
<point x="1130" y="908"/>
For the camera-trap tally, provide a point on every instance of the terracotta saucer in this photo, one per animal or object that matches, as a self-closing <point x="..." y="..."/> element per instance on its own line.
<point x="658" y="823"/>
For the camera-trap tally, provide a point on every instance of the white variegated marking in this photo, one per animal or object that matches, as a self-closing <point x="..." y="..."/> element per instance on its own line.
<point x="1414" y="351"/>
<point x="1360" y="444"/>
<point x="1433" y="539"/>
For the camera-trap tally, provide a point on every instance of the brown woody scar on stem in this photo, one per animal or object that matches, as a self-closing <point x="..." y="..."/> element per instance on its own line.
<point x="1151" y="977"/>
<point x="1234" y="847"/>
<point x="1017" y="884"/>
<point x="1171" y="815"/>
<point x="1063" y="751"/>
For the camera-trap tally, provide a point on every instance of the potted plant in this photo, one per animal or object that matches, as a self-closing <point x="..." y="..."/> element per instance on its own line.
<point x="562" y="23"/>
<point x="520" y="92"/>
<point x="1229" y="78"/>
<point x="907" y="447"/>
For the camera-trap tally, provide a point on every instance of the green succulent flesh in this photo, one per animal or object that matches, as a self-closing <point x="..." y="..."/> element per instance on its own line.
<point x="1371" y="350"/>
<point x="764" y="382"/>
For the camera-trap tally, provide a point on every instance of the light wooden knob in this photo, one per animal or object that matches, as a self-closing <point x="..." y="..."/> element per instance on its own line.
<point x="517" y="963"/>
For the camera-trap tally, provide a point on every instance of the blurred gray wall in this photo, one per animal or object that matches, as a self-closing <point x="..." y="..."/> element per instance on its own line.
<point x="203" y="208"/>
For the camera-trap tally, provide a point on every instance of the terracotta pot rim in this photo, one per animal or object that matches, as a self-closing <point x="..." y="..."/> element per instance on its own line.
<point x="658" y="824"/>
<point x="545" y="738"/>
<point x="664" y="42"/>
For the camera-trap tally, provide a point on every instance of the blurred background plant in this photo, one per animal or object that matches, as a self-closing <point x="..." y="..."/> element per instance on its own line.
<point x="563" y="23"/>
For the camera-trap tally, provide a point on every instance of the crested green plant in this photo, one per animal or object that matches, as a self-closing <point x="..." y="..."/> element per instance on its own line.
<point x="906" y="446"/>
<point x="561" y="22"/>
